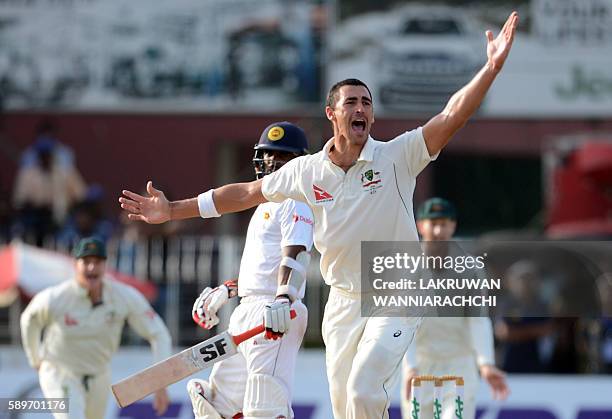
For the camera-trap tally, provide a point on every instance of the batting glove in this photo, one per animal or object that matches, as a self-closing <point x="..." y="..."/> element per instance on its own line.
<point x="205" y="307"/>
<point x="277" y="318"/>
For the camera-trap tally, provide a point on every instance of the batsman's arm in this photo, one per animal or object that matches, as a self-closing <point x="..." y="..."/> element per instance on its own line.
<point x="439" y="130"/>
<point x="284" y="271"/>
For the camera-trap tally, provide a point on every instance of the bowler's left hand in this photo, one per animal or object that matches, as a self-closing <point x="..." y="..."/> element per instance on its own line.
<point x="499" y="48"/>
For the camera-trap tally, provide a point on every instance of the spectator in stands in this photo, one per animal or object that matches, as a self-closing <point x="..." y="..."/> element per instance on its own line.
<point x="87" y="219"/>
<point x="45" y="189"/>
<point x="47" y="131"/>
<point x="522" y="333"/>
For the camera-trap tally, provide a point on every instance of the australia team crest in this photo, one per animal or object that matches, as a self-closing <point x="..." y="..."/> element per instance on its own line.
<point x="371" y="181"/>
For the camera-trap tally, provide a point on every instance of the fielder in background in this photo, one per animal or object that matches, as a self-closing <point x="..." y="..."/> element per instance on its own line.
<point x="82" y="321"/>
<point x="358" y="189"/>
<point x="460" y="346"/>
<point x="257" y="382"/>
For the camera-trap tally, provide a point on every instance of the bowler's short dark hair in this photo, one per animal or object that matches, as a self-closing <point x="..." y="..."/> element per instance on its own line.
<point x="332" y="96"/>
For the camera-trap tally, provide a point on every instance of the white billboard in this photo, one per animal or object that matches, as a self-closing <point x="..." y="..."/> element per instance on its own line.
<point x="160" y="55"/>
<point x="415" y="56"/>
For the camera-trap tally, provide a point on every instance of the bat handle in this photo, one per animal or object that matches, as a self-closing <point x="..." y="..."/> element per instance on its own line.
<point x="238" y="339"/>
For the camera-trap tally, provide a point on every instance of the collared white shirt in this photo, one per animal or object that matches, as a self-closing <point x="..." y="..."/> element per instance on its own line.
<point x="81" y="337"/>
<point x="370" y="202"/>
<point x="272" y="227"/>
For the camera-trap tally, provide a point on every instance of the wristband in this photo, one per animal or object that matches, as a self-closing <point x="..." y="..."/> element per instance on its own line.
<point x="206" y="205"/>
<point x="289" y="291"/>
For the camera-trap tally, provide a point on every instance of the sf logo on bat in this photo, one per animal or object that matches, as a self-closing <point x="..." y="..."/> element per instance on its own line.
<point x="213" y="350"/>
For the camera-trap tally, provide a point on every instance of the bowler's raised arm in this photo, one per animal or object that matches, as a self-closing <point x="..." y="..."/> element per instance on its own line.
<point x="439" y="130"/>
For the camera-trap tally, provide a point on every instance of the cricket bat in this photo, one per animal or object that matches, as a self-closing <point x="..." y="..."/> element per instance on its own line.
<point x="185" y="363"/>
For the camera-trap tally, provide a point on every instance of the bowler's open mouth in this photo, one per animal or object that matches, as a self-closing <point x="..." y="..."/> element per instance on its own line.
<point x="358" y="125"/>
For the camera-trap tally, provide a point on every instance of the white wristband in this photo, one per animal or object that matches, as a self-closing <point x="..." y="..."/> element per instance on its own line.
<point x="206" y="205"/>
<point x="288" y="290"/>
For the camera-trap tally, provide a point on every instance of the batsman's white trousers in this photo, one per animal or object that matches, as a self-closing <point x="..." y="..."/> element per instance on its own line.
<point x="256" y="356"/>
<point x="87" y="397"/>
<point x="363" y="356"/>
<point x="462" y="366"/>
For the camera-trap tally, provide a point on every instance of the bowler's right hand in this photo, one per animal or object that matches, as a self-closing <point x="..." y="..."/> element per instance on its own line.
<point x="152" y="209"/>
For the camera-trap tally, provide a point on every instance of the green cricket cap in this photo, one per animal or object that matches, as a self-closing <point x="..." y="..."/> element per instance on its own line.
<point x="90" y="246"/>
<point x="436" y="208"/>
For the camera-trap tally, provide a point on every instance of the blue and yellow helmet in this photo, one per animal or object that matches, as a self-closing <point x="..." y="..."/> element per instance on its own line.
<point x="282" y="137"/>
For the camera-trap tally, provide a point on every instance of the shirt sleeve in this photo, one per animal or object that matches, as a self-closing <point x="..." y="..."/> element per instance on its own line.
<point x="297" y="222"/>
<point x="147" y="323"/>
<point x="33" y="320"/>
<point x="414" y="150"/>
<point x="481" y="332"/>
<point x="284" y="183"/>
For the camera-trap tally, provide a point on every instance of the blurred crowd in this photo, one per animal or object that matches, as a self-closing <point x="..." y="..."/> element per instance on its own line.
<point x="50" y="199"/>
<point x="52" y="205"/>
<point x="537" y="335"/>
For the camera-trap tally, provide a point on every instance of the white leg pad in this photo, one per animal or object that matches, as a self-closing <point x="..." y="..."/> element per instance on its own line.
<point x="200" y="393"/>
<point x="266" y="397"/>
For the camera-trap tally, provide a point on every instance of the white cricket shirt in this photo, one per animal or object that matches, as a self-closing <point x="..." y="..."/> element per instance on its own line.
<point x="441" y="339"/>
<point x="370" y="202"/>
<point x="272" y="227"/>
<point x="81" y="338"/>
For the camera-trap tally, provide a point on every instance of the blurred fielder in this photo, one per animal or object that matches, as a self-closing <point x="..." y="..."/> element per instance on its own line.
<point x="460" y="346"/>
<point x="257" y="382"/>
<point x="82" y="321"/>
<point x="359" y="189"/>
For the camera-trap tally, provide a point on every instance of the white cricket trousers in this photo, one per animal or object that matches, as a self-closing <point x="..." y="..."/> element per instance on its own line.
<point x="363" y="356"/>
<point x="256" y="356"/>
<point x="462" y="366"/>
<point x="87" y="396"/>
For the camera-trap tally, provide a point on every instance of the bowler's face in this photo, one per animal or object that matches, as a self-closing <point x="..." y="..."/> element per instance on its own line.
<point x="353" y="114"/>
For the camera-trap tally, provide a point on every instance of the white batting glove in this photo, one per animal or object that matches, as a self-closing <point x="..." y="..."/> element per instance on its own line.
<point x="277" y="318"/>
<point x="205" y="308"/>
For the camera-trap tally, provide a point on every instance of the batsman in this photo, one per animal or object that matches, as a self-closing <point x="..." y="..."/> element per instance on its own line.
<point x="257" y="382"/>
